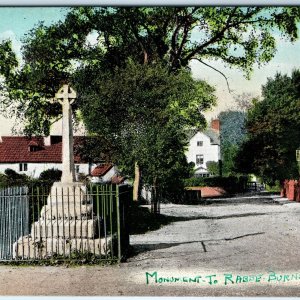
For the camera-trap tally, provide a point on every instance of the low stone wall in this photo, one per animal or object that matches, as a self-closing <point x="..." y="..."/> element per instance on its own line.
<point x="291" y="190"/>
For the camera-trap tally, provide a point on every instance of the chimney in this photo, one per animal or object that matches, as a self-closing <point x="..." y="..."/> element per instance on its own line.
<point x="215" y="125"/>
<point x="52" y="139"/>
<point x="47" y="140"/>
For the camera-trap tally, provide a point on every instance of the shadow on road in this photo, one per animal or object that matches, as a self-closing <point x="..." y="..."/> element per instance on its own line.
<point x="141" y="220"/>
<point x="140" y="248"/>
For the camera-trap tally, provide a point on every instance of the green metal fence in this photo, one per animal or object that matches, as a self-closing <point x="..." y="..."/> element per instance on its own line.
<point x="64" y="222"/>
<point x="14" y="217"/>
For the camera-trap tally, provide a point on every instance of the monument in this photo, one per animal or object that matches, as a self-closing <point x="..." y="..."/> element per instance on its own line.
<point x="66" y="97"/>
<point x="67" y="222"/>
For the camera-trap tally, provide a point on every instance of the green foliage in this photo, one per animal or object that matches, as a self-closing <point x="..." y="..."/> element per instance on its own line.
<point x="12" y="178"/>
<point x="50" y="175"/>
<point x="8" y="60"/>
<point x="231" y="184"/>
<point x="273" y="126"/>
<point x="213" y="167"/>
<point x="144" y="110"/>
<point x="275" y="188"/>
<point x="76" y="258"/>
<point x="232" y="134"/>
<point x="194" y="181"/>
<point x="229" y="152"/>
<point x="239" y="36"/>
<point x="13" y="175"/>
<point x="141" y="94"/>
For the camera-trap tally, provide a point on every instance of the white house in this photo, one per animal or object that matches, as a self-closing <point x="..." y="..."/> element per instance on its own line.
<point x="204" y="147"/>
<point x="32" y="156"/>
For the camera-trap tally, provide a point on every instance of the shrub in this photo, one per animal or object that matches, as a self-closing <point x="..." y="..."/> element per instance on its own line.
<point x="51" y="175"/>
<point x="12" y="178"/>
<point x="232" y="184"/>
<point x="213" y="168"/>
<point x="194" y="181"/>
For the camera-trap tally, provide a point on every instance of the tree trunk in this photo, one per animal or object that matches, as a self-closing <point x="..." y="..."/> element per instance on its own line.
<point x="154" y="197"/>
<point x="136" y="184"/>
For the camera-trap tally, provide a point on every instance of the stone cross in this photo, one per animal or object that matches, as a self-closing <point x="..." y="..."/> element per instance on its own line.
<point x="66" y="96"/>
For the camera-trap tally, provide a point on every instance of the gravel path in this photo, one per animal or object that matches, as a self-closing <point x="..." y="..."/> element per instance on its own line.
<point x="230" y="247"/>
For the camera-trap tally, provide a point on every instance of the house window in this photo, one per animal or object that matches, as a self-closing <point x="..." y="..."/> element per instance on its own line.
<point x="199" y="159"/>
<point x="200" y="143"/>
<point x="23" y="167"/>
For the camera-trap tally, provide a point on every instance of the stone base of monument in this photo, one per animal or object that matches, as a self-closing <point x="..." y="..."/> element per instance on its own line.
<point x="67" y="228"/>
<point x="67" y="224"/>
<point x="28" y="248"/>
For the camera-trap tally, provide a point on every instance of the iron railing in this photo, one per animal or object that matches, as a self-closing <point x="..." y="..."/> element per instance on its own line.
<point x="14" y="217"/>
<point x="64" y="222"/>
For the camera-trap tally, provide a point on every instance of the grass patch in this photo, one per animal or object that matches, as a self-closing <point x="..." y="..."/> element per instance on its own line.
<point x="76" y="259"/>
<point x="273" y="189"/>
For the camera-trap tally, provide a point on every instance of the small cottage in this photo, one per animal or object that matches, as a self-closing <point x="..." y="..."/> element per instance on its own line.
<point x="204" y="147"/>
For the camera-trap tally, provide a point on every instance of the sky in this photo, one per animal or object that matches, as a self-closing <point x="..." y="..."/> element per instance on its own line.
<point x="15" y="22"/>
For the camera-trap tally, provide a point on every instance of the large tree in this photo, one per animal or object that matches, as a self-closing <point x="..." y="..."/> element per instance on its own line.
<point x="273" y="127"/>
<point x="143" y="110"/>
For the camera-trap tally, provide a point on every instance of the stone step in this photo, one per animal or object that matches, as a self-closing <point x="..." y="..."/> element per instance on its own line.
<point x="66" y="228"/>
<point x="28" y="247"/>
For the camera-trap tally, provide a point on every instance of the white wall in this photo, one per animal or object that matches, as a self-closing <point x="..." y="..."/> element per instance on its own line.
<point x="209" y="152"/>
<point x="35" y="169"/>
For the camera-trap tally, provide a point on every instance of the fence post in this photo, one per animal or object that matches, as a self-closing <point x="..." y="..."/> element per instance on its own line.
<point x="154" y="200"/>
<point x="118" y="223"/>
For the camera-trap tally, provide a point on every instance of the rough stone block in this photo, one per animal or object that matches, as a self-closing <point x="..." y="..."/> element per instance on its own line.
<point x="65" y="228"/>
<point x="28" y="248"/>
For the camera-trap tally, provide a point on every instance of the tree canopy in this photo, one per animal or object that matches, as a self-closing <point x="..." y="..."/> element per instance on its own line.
<point x="232" y="133"/>
<point x="107" y="37"/>
<point x="273" y="128"/>
<point x="142" y="111"/>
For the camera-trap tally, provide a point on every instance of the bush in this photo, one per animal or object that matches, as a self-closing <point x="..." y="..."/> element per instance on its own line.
<point x="232" y="184"/>
<point x="194" y="181"/>
<point x="13" y="175"/>
<point x="274" y="188"/>
<point x="213" y="167"/>
<point x="51" y="175"/>
<point x="12" y="178"/>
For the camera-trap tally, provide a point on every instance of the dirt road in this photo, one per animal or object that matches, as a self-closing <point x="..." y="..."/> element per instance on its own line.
<point x="230" y="247"/>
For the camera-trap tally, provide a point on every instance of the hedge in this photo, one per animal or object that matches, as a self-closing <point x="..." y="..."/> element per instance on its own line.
<point x="231" y="184"/>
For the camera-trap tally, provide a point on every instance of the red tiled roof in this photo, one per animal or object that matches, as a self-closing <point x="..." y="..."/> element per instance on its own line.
<point x="14" y="149"/>
<point x="101" y="170"/>
<point x="207" y="192"/>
